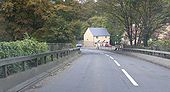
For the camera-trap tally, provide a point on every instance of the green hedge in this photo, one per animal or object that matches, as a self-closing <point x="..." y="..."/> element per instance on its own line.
<point x="161" y="45"/>
<point x="21" y="48"/>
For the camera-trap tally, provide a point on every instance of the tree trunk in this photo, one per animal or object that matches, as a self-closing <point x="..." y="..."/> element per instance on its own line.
<point x="129" y="36"/>
<point x="145" y="40"/>
<point x="131" y="41"/>
<point x="136" y="33"/>
<point x="139" y="39"/>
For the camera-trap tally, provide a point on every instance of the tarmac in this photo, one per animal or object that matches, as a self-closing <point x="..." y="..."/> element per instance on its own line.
<point x="149" y="58"/>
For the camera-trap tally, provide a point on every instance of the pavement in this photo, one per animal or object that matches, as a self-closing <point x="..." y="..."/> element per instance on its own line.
<point x="102" y="71"/>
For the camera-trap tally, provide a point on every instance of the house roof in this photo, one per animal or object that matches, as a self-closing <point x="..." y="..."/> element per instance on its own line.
<point x="99" y="31"/>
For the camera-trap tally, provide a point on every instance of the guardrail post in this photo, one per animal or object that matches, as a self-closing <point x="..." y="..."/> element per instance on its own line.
<point x="61" y="54"/>
<point x="36" y="61"/>
<point x="45" y="59"/>
<point x="164" y="55"/>
<point x="5" y="71"/>
<point x="67" y="53"/>
<point x="52" y="59"/>
<point x="23" y="66"/>
<point x="64" y="53"/>
<point x="57" y="56"/>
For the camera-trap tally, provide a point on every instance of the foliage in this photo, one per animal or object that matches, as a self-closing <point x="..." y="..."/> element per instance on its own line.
<point x="58" y="21"/>
<point x="87" y="10"/>
<point x="160" y="45"/>
<point x="63" y="26"/>
<point x="21" y="48"/>
<point x="24" y="16"/>
<point x="146" y="15"/>
<point x="44" y="20"/>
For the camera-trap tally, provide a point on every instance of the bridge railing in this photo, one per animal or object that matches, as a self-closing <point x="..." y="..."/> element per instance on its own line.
<point x="14" y="65"/>
<point x="163" y="54"/>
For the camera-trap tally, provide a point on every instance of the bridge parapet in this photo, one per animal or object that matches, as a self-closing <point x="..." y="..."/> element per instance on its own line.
<point x="18" y="69"/>
<point x="163" y="54"/>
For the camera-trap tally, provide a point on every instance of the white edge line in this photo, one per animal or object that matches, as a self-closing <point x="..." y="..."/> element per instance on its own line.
<point x="130" y="78"/>
<point x="117" y="63"/>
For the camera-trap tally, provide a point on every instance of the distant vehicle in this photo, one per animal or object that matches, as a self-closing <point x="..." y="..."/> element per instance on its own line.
<point x="79" y="45"/>
<point x="108" y="45"/>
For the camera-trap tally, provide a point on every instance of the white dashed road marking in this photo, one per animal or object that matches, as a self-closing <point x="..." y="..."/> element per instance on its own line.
<point x="130" y="78"/>
<point x="111" y="57"/>
<point x="123" y="70"/>
<point x="117" y="63"/>
<point x="107" y="55"/>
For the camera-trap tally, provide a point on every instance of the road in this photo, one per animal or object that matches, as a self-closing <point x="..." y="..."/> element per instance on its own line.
<point x="101" y="71"/>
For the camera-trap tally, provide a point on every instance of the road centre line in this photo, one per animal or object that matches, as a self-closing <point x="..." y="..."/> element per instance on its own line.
<point x="115" y="61"/>
<point x="111" y="57"/>
<point x="107" y="55"/>
<point x="130" y="78"/>
<point x="126" y="74"/>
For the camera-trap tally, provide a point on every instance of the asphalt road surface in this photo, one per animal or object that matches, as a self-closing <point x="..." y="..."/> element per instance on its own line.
<point x="100" y="71"/>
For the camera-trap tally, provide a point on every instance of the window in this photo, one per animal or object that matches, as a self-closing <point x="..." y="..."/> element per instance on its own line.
<point x="105" y="36"/>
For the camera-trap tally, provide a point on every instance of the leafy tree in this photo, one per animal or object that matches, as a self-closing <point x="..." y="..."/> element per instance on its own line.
<point x="154" y="15"/>
<point x="24" y="16"/>
<point x="63" y="26"/>
<point x="87" y="10"/>
<point x="147" y="15"/>
<point x="46" y="21"/>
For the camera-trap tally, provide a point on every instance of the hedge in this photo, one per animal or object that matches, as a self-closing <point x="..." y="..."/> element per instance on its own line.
<point x="163" y="45"/>
<point x="21" y="48"/>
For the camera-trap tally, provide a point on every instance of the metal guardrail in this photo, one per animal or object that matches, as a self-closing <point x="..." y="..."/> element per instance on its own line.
<point x="163" y="54"/>
<point x="35" y="60"/>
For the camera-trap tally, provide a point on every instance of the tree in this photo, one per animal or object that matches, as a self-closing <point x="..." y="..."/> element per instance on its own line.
<point x="42" y="19"/>
<point x="145" y="15"/>
<point x="121" y="10"/>
<point x="24" y="16"/>
<point x="153" y="16"/>
<point x="64" y="26"/>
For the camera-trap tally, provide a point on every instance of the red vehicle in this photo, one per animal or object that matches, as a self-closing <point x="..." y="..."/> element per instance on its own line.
<point x="108" y="45"/>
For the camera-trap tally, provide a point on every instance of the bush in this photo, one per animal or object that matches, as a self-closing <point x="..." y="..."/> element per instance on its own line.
<point x="160" y="45"/>
<point x="21" y="48"/>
